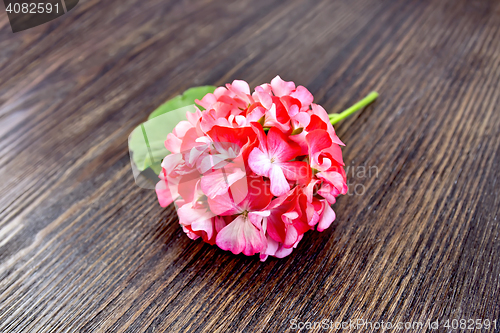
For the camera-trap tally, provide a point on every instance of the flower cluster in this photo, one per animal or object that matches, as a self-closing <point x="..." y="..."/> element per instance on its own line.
<point x="254" y="171"/>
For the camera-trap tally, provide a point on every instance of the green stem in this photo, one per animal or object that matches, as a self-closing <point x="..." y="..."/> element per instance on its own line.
<point x="370" y="98"/>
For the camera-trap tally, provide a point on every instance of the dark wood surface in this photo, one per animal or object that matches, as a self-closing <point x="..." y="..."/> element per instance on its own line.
<point x="82" y="248"/>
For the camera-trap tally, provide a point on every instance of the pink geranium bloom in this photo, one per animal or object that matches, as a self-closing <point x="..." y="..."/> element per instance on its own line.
<point x="273" y="157"/>
<point x="246" y="233"/>
<point x="288" y="219"/>
<point x="255" y="170"/>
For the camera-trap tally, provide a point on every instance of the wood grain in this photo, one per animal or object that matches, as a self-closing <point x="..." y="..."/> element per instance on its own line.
<point x="82" y="248"/>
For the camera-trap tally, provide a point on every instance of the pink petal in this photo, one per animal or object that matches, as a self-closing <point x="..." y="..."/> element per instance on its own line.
<point x="189" y="215"/>
<point x="220" y="91"/>
<point x="292" y="105"/>
<point x="336" y="152"/>
<point x="334" y="137"/>
<point x="165" y="197"/>
<point x="207" y="101"/>
<point x="255" y="114"/>
<point x="215" y="116"/>
<point x="211" y="162"/>
<point x="270" y="250"/>
<point x="291" y="236"/>
<point x="181" y="128"/>
<point x="266" y="87"/>
<point x="320" y="112"/>
<point x="173" y="143"/>
<point x="327" y="218"/>
<point x="188" y="185"/>
<point x="170" y="162"/>
<point x="312" y="215"/>
<point x="204" y="225"/>
<point x="309" y="190"/>
<point x="283" y="251"/>
<point x="280" y="87"/>
<point x="194" y="117"/>
<point x="255" y="239"/>
<point x="250" y="193"/>
<point x="256" y="218"/>
<point x="191" y="234"/>
<point x="259" y="162"/>
<point x="279" y="184"/>
<point x="232" y="237"/>
<point x="271" y="119"/>
<point x="230" y="202"/>
<point x="241" y="236"/>
<point x="222" y="205"/>
<point x="219" y="223"/>
<point x="304" y="96"/>
<point x="241" y="120"/>
<point x="189" y="140"/>
<point x="332" y="177"/>
<point x="289" y="216"/>
<point x="320" y="161"/>
<point x="329" y="192"/>
<point x="301" y="119"/>
<point x="240" y="86"/>
<point x="240" y="191"/>
<point x="218" y="182"/>
<point x="191" y="157"/>
<point x="263" y="97"/>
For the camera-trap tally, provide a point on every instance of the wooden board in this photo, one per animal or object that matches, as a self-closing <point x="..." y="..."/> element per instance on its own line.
<point x="82" y="248"/>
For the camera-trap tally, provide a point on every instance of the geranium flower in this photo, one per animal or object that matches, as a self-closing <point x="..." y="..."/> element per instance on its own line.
<point x="272" y="159"/>
<point x="245" y="203"/>
<point x="255" y="170"/>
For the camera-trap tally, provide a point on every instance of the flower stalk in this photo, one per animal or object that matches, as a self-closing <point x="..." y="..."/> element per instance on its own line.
<point x="336" y="117"/>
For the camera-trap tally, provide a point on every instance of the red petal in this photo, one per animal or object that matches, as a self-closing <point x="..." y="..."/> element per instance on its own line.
<point x="259" y="193"/>
<point x="280" y="148"/>
<point x="289" y="101"/>
<point x="316" y="123"/>
<point x="240" y="136"/>
<point x="281" y="112"/>
<point x="260" y="135"/>
<point x="318" y="140"/>
<point x="296" y="170"/>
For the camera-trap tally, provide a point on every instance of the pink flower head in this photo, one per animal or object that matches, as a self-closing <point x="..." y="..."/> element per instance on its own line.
<point x="255" y="170"/>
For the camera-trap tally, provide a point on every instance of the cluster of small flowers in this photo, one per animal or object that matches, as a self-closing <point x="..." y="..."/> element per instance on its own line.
<point x="254" y="171"/>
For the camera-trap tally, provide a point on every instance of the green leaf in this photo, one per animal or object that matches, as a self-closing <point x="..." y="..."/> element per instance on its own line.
<point x="187" y="98"/>
<point x="146" y="142"/>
